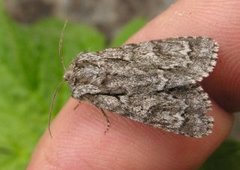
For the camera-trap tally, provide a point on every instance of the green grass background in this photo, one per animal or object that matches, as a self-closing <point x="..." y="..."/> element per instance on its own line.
<point x="30" y="70"/>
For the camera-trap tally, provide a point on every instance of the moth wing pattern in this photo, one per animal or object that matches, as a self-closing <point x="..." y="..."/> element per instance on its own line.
<point x="172" y="110"/>
<point x="154" y="82"/>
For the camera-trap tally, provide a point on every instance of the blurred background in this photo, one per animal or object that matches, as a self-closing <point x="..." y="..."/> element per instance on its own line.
<point x="30" y="67"/>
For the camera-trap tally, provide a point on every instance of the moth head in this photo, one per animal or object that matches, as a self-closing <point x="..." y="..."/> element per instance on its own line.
<point x="67" y="76"/>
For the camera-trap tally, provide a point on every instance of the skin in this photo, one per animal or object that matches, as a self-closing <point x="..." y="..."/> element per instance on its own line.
<point x="79" y="141"/>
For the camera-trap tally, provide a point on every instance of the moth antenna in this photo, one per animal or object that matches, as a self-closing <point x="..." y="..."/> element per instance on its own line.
<point x="77" y="105"/>
<point x="60" y="45"/>
<point x="107" y="120"/>
<point x="51" y="106"/>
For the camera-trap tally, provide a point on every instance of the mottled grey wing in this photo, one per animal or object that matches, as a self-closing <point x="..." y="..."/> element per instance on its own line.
<point x="148" y="66"/>
<point x="151" y="82"/>
<point x="180" y="110"/>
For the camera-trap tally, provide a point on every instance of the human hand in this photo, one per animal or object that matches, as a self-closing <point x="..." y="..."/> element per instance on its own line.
<point x="79" y="142"/>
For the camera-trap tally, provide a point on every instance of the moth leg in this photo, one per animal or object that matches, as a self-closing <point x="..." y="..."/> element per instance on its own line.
<point x="77" y="105"/>
<point x="107" y="120"/>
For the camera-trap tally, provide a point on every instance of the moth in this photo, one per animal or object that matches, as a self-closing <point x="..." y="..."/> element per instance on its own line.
<point x="154" y="82"/>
